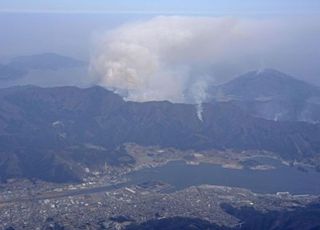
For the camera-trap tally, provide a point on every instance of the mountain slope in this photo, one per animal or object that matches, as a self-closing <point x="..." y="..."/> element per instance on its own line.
<point x="50" y="130"/>
<point x="272" y="95"/>
<point x="11" y="73"/>
<point x="20" y="66"/>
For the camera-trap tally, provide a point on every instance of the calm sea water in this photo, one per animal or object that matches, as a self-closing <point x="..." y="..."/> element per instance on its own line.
<point x="282" y="179"/>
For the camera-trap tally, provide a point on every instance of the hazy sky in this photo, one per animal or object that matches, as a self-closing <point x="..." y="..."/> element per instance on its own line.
<point x="71" y="27"/>
<point x="186" y="6"/>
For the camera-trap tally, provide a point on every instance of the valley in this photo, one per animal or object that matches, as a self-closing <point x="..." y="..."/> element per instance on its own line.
<point x="128" y="199"/>
<point x="69" y="151"/>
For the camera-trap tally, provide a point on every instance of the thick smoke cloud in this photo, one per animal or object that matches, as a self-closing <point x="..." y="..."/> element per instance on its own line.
<point x="178" y="58"/>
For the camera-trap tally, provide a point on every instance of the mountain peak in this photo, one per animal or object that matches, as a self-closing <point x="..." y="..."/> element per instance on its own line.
<point x="271" y="74"/>
<point x="263" y="71"/>
<point x="272" y="95"/>
<point x="267" y="83"/>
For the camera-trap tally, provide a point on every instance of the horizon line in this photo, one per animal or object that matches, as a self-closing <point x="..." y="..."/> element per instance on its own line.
<point x="142" y="12"/>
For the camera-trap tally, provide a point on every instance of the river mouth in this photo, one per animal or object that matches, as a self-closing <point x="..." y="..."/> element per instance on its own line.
<point x="277" y="178"/>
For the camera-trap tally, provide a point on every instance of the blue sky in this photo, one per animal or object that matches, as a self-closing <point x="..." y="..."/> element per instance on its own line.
<point x="165" y="6"/>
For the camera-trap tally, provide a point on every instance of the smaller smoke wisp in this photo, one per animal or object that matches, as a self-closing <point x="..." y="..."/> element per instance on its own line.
<point x="199" y="94"/>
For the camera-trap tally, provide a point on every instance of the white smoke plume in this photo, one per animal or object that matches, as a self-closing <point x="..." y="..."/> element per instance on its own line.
<point x="158" y="59"/>
<point x="176" y="58"/>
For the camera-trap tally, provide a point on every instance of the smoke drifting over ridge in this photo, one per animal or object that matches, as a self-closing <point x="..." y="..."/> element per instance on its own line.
<point x="177" y="58"/>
